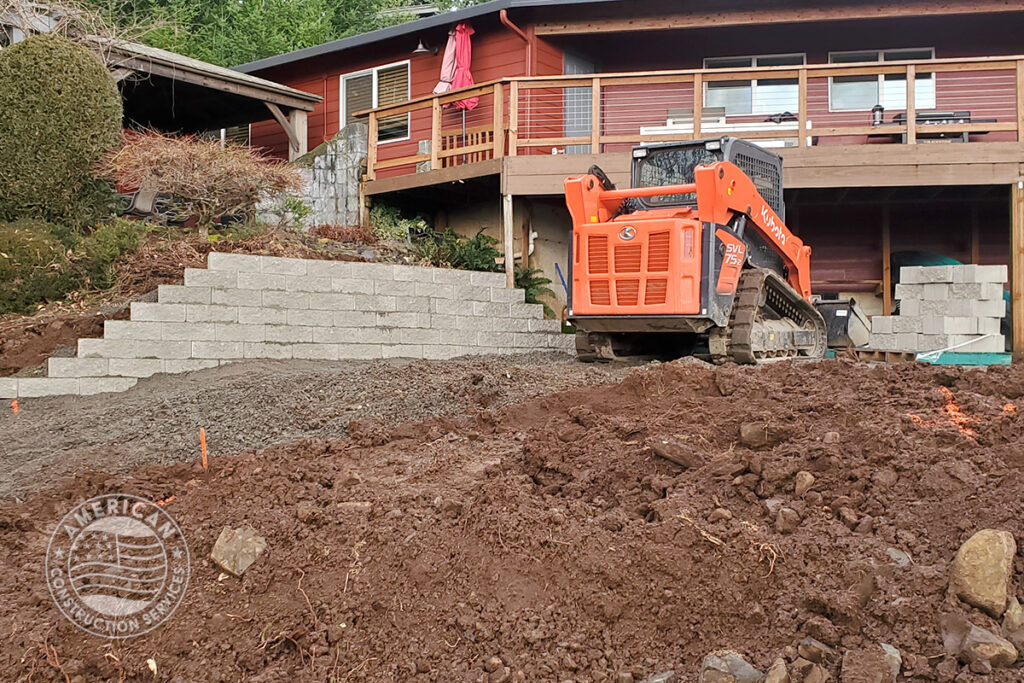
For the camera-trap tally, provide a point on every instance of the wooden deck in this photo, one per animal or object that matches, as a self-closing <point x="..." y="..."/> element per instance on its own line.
<point x="994" y="163"/>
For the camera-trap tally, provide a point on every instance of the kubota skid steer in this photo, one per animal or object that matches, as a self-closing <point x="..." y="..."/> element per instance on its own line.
<point x="694" y="259"/>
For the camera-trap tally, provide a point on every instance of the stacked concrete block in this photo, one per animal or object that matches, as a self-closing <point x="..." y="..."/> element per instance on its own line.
<point x="245" y="306"/>
<point x="957" y="307"/>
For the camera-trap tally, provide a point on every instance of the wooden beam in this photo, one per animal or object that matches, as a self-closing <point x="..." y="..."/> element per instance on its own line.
<point x="886" y="261"/>
<point x="300" y="125"/>
<point x="513" y="118"/>
<point x="121" y="74"/>
<point x="1017" y="265"/>
<point x="371" y="147"/>
<point x="595" y="116"/>
<point x="770" y="14"/>
<point x="801" y="99"/>
<point x="911" y="106"/>
<point x="435" y="136"/>
<point x="452" y="174"/>
<point x="289" y="129"/>
<point x="698" y="104"/>
<point x="499" y="121"/>
<point x="508" y="240"/>
<point x="251" y="91"/>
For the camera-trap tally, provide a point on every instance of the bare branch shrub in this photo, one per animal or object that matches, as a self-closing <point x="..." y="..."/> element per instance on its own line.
<point x="208" y="181"/>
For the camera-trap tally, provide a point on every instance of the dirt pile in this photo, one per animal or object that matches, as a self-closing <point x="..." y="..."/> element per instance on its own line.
<point x="547" y="541"/>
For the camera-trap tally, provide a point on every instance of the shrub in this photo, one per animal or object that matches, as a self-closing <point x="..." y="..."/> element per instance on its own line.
<point x="389" y="224"/>
<point x="451" y="250"/>
<point x="208" y="181"/>
<point x="344" y="233"/>
<point x="33" y="267"/>
<point x="97" y="253"/>
<point x="61" y="111"/>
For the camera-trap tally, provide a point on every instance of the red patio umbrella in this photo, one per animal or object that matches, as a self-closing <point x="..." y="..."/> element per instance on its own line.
<point x="463" y="59"/>
<point x="447" y="66"/>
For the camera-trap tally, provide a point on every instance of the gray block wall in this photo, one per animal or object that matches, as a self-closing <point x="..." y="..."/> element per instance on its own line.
<point x="244" y="306"/>
<point x="944" y="307"/>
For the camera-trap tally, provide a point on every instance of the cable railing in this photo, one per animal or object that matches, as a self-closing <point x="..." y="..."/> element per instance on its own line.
<point x="905" y="102"/>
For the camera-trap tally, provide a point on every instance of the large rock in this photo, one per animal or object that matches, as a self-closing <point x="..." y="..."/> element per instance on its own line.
<point x="868" y="665"/>
<point x="236" y="549"/>
<point x="981" y="649"/>
<point x="981" y="570"/>
<point x="728" y="667"/>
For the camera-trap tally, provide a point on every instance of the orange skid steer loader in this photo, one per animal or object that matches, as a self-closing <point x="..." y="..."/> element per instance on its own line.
<point x="694" y="259"/>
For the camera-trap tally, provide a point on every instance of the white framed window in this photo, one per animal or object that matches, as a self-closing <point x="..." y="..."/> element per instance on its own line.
<point x="861" y="93"/>
<point x="759" y="96"/>
<point x="378" y="87"/>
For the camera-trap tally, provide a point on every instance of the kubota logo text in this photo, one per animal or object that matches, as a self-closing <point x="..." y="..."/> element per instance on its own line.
<point x="768" y="220"/>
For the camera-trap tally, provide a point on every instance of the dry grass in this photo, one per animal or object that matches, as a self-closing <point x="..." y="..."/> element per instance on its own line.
<point x="208" y="180"/>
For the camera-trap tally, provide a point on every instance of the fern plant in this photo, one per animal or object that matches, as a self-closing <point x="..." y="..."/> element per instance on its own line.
<point x="535" y="284"/>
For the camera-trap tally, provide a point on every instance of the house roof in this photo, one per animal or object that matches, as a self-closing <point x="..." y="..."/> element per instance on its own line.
<point x="152" y="60"/>
<point x="443" y="19"/>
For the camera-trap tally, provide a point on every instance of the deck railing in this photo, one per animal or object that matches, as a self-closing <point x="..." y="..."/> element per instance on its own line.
<point x="796" y="106"/>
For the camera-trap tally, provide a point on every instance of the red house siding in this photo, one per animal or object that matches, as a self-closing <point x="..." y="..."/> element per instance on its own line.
<point x="497" y="53"/>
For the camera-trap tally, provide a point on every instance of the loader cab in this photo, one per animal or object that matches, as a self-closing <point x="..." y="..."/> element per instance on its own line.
<point x="673" y="164"/>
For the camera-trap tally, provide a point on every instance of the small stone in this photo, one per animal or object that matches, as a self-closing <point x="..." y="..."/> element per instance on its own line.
<point x="719" y="514"/>
<point x="817" y="674"/>
<point x="893" y="657"/>
<point x="676" y="451"/>
<point x="975" y="646"/>
<point x="773" y="505"/>
<point x="236" y="549"/>
<point x="666" y="677"/>
<point x="866" y="666"/>
<point x="728" y="667"/>
<point x="866" y="525"/>
<point x="848" y="517"/>
<point x="393" y="514"/>
<point x="624" y="677"/>
<point x="422" y="666"/>
<point x="778" y="673"/>
<point x="981" y="570"/>
<point x="804" y="482"/>
<point x="822" y="629"/>
<point x="493" y="664"/>
<point x="885" y="478"/>
<point x="831" y="437"/>
<point x="787" y="521"/>
<point x="754" y="434"/>
<point x="350" y="479"/>
<point x="306" y="511"/>
<point x="901" y="558"/>
<point x="817" y="652"/>
<point x="1013" y="623"/>
<point x="361" y="507"/>
<point x="502" y="675"/>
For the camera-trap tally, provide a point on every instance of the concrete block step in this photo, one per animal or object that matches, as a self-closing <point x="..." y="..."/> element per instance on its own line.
<point x="37" y="387"/>
<point x="966" y="273"/>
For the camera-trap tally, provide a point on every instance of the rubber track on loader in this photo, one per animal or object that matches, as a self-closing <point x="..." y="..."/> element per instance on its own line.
<point x="759" y="289"/>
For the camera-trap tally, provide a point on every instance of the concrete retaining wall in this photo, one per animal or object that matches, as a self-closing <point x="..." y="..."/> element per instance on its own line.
<point x="270" y="307"/>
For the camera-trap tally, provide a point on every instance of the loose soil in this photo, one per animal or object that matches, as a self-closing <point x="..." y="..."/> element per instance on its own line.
<point x="546" y="532"/>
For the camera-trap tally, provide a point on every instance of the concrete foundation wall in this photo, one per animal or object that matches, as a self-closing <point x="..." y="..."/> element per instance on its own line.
<point x="245" y="306"/>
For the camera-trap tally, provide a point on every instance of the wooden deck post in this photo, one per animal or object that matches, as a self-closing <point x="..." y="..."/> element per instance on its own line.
<point x="435" y="135"/>
<point x="698" y="103"/>
<point x="499" y="121"/>
<point x="371" y="148"/>
<point x="513" y="118"/>
<point x="508" y="240"/>
<point x="801" y="102"/>
<point x="911" y="105"/>
<point x="1017" y="265"/>
<point x="300" y="124"/>
<point x="595" y="116"/>
<point x="886" y="261"/>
